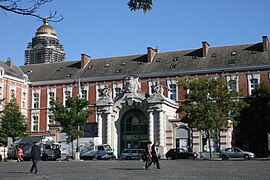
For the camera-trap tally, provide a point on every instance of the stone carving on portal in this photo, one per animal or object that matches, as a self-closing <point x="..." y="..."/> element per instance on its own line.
<point x="132" y="84"/>
<point x="106" y="93"/>
<point x="158" y="89"/>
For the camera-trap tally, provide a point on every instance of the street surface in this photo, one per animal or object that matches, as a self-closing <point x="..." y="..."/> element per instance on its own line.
<point x="134" y="169"/>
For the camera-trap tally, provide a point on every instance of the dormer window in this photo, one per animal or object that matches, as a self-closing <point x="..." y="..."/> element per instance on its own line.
<point x="233" y="53"/>
<point x="173" y="66"/>
<point x="175" y="58"/>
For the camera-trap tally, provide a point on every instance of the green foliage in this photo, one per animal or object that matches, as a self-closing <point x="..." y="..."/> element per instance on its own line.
<point x="255" y="119"/>
<point x="13" y="123"/>
<point x="209" y="104"/>
<point x="145" y="5"/>
<point x="72" y="115"/>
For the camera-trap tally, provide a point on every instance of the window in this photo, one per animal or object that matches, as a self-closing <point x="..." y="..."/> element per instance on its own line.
<point x="24" y="100"/>
<point x="99" y="90"/>
<point x="117" y="89"/>
<point x="51" y="98"/>
<point x="232" y="82"/>
<point x="253" y="85"/>
<point x="172" y="89"/>
<point x="84" y="94"/>
<point x="67" y="95"/>
<point x="173" y="92"/>
<point x="253" y="82"/>
<point x="49" y="121"/>
<point x="151" y="86"/>
<point x="35" y="123"/>
<point x="36" y="100"/>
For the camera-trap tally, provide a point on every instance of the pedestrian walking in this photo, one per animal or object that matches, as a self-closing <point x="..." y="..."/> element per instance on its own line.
<point x="154" y="155"/>
<point x="20" y="154"/>
<point x="148" y="155"/>
<point x="35" y="156"/>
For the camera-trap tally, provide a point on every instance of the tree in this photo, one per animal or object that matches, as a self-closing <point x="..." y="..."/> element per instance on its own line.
<point x="255" y="120"/>
<point x="28" y="8"/>
<point x="13" y="123"/>
<point x="145" y="5"/>
<point x="71" y="116"/>
<point x="208" y="105"/>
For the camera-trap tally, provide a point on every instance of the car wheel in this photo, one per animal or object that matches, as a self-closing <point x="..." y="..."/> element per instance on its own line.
<point x="169" y="158"/>
<point x="99" y="158"/>
<point x="44" y="157"/>
<point x="128" y="158"/>
<point x="223" y="157"/>
<point x="246" y="156"/>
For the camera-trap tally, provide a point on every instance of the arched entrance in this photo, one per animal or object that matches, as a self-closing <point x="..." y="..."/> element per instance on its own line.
<point x="134" y="129"/>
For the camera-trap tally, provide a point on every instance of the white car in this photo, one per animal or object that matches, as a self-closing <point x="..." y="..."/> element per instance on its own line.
<point x="235" y="152"/>
<point x="132" y="154"/>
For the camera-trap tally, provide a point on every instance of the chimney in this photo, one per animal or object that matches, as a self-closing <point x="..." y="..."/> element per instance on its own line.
<point x="9" y="62"/>
<point x="150" y="54"/>
<point x="84" y="60"/>
<point x="205" y="48"/>
<point x="265" y="43"/>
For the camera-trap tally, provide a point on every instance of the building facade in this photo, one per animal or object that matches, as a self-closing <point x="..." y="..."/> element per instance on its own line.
<point x="135" y="97"/>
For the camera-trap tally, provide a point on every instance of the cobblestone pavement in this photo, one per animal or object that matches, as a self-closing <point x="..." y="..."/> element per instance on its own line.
<point x="134" y="169"/>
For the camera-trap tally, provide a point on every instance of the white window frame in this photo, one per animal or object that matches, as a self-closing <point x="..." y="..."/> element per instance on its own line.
<point x="36" y="100"/>
<point x="99" y="88"/>
<point x="249" y="78"/>
<point x="65" y="90"/>
<point x="171" y="82"/>
<point x="116" y="86"/>
<point x="151" y="85"/>
<point x="24" y="98"/>
<point x="233" y="78"/>
<point x="35" y="123"/>
<point x="50" y="120"/>
<point x="49" y="97"/>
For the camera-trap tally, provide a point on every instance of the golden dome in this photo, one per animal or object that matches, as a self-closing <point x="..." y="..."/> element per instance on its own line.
<point x="46" y="28"/>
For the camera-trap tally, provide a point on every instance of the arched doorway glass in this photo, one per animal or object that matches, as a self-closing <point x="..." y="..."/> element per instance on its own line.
<point x="134" y="130"/>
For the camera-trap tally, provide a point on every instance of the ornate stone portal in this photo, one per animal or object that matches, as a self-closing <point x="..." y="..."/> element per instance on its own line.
<point x="135" y="110"/>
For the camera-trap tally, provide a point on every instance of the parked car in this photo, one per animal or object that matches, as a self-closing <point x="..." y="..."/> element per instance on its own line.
<point x="235" y="152"/>
<point x="132" y="154"/>
<point x="180" y="154"/>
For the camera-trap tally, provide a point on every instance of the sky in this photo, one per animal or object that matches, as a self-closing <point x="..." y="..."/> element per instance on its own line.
<point x="107" y="28"/>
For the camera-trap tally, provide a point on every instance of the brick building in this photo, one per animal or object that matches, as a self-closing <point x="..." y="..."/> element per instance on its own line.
<point x="135" y="97"/>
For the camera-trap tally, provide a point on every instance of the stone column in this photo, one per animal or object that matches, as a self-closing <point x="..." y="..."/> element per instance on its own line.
<point x="109" y="128"/>
<point x="99" y="119"/>
<point x="161" y="128"/>
<point x="151" y="126"/>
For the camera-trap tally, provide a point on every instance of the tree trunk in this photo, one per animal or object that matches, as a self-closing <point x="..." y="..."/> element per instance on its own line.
<point x="209" y="144"/>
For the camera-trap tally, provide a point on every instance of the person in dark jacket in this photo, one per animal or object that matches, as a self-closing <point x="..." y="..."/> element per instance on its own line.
<point x="35" y="156"/>
<point x="155" y="155"/>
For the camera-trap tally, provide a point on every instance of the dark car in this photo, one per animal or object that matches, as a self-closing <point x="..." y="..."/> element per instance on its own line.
<point x="180" y="154"/>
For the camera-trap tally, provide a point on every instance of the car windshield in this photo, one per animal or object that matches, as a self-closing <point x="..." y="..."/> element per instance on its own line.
<point x="108" y="148"/>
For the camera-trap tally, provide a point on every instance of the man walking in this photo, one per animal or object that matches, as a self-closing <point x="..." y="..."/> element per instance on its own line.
<point x="154" y="153"/>
<point x="35" y="155"/>
<point x="148" y="155"/>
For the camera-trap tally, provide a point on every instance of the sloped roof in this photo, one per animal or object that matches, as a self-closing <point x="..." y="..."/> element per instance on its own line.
<point x="13" y="71"/>
<point x="163" y="64"/>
